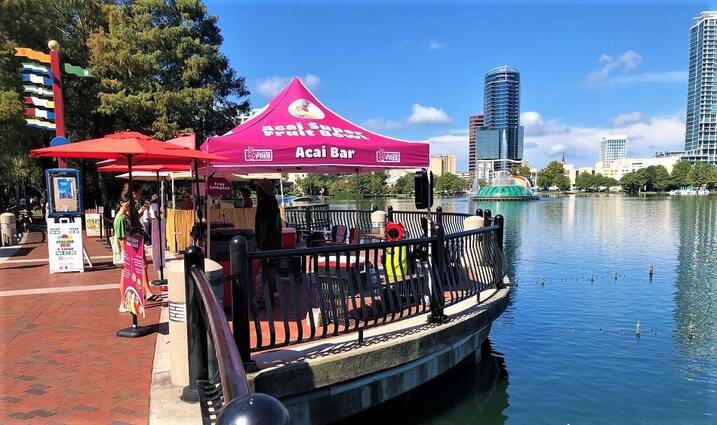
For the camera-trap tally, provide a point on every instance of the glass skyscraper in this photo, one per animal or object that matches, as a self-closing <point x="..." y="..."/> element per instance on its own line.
<point x="501" y="112"/>
<point x="701" y="124"/>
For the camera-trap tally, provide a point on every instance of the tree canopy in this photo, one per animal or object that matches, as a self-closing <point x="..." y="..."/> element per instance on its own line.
<point x="589" y="181"/>
<point x="553" y="175"/>
<point x="450" y="184"/>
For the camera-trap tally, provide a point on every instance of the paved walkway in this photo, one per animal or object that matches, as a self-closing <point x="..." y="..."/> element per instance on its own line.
<point x="60" y="360"/>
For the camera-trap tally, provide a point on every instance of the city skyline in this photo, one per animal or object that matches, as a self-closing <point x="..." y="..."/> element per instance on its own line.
<point x="412" y="79"/>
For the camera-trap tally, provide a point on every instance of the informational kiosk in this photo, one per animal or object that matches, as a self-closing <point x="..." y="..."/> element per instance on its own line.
<point x="64" y="223"/>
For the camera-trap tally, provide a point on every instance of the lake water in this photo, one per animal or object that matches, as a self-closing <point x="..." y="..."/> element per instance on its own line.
<point x="565" y="351"/>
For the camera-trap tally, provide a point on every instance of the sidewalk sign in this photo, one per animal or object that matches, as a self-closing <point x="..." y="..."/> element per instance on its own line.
<point x="132" y="275"/>
<point x="93" y="221"/>
<point x="66" y="251"/>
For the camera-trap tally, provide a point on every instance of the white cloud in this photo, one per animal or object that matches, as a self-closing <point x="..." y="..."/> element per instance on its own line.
<point x="533" y="123"/>
<point x="581" y="144"/>
<point x="435" y="45"/>
<point x="380" y="123"/>
<point x="272" y="86"/>
<point x="428" y="115"/>
<point x="419" y="115"/>
<point x="628" y="118"/>
<point x="623" y="70"/>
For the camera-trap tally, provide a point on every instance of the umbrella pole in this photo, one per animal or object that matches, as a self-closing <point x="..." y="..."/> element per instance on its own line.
<point x="161" y="280"/>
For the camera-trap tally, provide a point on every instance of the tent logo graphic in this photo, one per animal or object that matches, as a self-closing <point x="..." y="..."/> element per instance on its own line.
<point x="251" y="154"/>
<point x="302" y="108"/>
<point x="385" y="156"/>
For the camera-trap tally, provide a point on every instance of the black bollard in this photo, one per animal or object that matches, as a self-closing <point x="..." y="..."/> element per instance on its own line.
<point x="254" y="409"/>
<point x="479" y="212"/>
<point x="238" y="252"/>
<point x="196" y="328"/>
<point x="498" y="221"/>
<point x="488" y="220"/>
<point x="390" y="214"/>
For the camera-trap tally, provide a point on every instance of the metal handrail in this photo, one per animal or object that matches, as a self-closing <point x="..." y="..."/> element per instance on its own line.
<point x="231" y="370"/>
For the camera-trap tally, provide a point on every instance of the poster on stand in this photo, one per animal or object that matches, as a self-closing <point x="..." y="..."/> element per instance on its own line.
<point x="64" y="241"/>
<point x="93" y="222"/>
<point x="159" y="244"/>
<point x="132" y="274"/>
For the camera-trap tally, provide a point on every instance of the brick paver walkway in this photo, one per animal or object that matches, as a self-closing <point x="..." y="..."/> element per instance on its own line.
<point x="60" y="360"/>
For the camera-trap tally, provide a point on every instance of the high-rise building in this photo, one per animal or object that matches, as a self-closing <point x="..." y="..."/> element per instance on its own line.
<point x="443" y="164"/>
<point x="701" y="124"/>
<point x="474" y="123"/>
<point x="612" y="148"/>
<point x="501" y="112"/>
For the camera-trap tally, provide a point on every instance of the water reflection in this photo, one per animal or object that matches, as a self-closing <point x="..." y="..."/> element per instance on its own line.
<point x="470" y="393"/>
<point x="696" y="289"/>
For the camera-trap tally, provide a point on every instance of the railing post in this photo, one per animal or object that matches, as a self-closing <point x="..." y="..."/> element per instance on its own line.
<point x="196" y="328"/>
<point x="479" y="212"/>
<point x="439" y="215"/>
<point x="498" y="221"/>
<point x="307" y="218"/>
<point x="488" y="220"/>
<point x="390" y="214"/>
<point x="254" y="409"/>
<point x="238" y="252"/>
<point x="437" y="257"/>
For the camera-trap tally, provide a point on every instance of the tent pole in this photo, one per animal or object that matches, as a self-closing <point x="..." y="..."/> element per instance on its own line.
<point x="358" y="192"/>
<point x="281" y="188"/>
<point x="159" y="233"/>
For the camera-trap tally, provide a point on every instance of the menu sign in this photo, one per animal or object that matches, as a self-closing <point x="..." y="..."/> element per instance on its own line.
<point x="65" y="246"/>
<point x="132" y="274"/>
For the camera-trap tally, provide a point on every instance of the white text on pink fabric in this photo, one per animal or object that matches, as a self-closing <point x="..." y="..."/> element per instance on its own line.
<point x="312" y="129"/>
<point x="321" y="152"/>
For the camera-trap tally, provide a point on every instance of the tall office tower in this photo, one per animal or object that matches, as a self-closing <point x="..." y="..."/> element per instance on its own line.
<point x="701" y="125"/>
<point x="501" y="112"/>
<point x="612" y="148"/>
<point x="474" y="123"/>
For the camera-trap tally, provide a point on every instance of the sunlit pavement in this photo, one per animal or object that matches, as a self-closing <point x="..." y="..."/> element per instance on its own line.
<point x="60" y="359"/>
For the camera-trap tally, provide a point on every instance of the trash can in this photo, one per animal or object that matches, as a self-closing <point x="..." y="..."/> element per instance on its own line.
<point x="8" y="229"/>
<point x="179" y="362"/>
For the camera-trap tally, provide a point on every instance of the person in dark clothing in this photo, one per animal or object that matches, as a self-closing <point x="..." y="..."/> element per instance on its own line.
<point x="246" y="198"/>
<point x="267" y="224"/>
<point x="267" y="231"/>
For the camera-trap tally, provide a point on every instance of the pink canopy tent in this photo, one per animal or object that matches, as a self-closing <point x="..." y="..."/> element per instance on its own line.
<point x="297" y="133"/>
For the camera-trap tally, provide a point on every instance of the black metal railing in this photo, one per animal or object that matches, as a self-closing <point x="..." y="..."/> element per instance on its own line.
<point x="319" y="218"/>
<point x="412" y="220"/>
<point x="216" y="375"/>
<point x="284" y="297"/>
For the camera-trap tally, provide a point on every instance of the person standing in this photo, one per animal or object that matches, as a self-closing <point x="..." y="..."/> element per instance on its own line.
<point x="121" y="228"/>
<point x="267" y="229"/>
<point x="246" y="198"/>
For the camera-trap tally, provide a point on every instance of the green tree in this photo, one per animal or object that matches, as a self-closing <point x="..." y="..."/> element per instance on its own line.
<point x="633" y="182"/>
<point x="662" y="178"/>
<point x="585" y="181"/>
<point x="703" y="174"/>
<point x="161" y="71"/>
<point x="680" y="175"/>
<point x="520" y="170"/>
<point x="553" y="175"/>
<point x="451" y="184"/>
<point x="404" y="184"/>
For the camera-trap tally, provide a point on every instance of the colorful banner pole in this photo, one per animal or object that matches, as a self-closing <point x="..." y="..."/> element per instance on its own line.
<point x="56" y="75"/>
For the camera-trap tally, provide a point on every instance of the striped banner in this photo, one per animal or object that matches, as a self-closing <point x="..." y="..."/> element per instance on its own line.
<point x="45" y="125"/>
<point x="32" y="100"/>
<point x="37" y="79"/>
<point x="32" y="54"/>
<point x="38" y="90"/>
<point x="35" y="68"/>
<point x="40" y="113"/>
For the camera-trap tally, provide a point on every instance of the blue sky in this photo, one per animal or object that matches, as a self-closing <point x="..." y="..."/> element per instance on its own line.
<point x="415" y="70"/>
